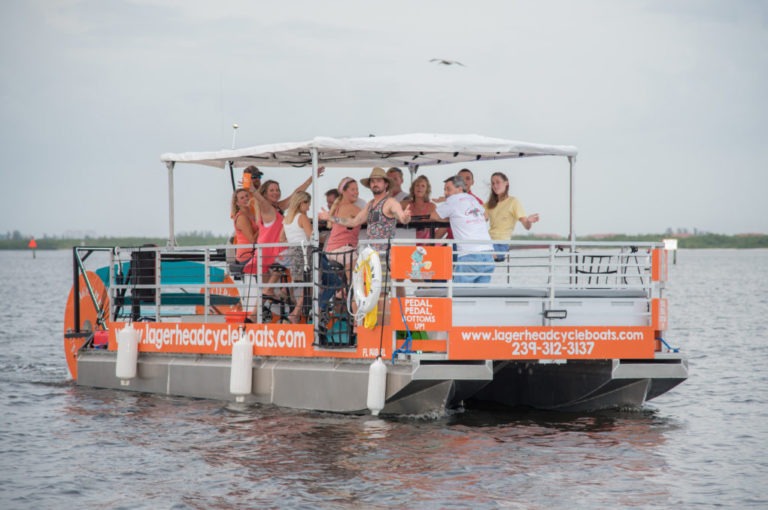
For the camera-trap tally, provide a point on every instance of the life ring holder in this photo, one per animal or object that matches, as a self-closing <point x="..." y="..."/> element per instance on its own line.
<point x="367" y="267"/>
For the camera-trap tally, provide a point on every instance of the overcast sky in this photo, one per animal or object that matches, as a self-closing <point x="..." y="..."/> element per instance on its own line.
<point x="665" y="100"/>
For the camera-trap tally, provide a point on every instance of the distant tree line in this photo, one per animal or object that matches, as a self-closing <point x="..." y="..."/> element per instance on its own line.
<point x="17" y="241"/>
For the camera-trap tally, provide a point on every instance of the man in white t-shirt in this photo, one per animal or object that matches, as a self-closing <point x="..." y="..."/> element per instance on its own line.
<point x="475" y="261"/>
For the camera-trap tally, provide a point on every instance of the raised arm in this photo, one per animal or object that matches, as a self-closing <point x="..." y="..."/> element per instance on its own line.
<point x="346" y="222"/>
<point x="528" y="221"/>
<point x="395" y="209"/>
<point x="283" y="203"/>
<point x="261" y="203"/>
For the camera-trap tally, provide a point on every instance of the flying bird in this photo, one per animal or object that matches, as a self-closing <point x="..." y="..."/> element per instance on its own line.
<point x="447" y="62"/>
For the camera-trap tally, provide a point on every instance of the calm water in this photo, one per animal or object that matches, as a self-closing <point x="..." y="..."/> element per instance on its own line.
<point x="701" y="446"/>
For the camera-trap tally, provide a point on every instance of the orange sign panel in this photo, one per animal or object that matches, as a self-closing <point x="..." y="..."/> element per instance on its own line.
<point x="421" y="313"/>
<point x="659" y="314"/>
<point x="440" y="346"/>
<point x="190" y="338"/>
<point x="294" y="340"/>
<point x="422" y="262"/>
<point x="374" y="342"/>
<point x="464" y="343"/>
<point x="553" y="342"/>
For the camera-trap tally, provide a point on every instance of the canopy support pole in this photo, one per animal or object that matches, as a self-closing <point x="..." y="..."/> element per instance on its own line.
<point x="171" y="229"/>
<point x="571" y="232"/>
<point x="315" y="201"/>
<point x="315" y="241"/>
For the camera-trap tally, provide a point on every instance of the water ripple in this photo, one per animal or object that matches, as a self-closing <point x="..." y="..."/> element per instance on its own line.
<point x="698" y="446"/>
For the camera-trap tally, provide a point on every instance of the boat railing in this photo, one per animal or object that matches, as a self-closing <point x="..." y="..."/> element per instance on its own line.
<point x="201" y="283"/>
<point x="554" y="267"/>
<point x="82" y="285"/>
<point x="193" y="283"/>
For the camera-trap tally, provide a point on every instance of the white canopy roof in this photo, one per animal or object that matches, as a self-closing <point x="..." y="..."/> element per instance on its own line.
<point x="410" y="151"/>
<point x="400" y="150"/>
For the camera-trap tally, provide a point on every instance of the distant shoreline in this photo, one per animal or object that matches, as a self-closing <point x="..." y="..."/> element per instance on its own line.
<point x="700" y="241"/>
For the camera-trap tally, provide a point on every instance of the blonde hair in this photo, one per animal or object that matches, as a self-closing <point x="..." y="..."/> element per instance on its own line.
<point x="343" y="185"/>
<point x="265" y="186"/>
<point x="297" y="199"/>
<point x="412" y="192"/>
<point x="233" y="207"/>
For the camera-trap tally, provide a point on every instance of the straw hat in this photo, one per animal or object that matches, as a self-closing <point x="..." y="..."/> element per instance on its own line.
<point x="376" y="173"/>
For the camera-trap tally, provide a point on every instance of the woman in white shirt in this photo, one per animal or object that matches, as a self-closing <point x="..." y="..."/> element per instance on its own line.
<point x="297" y="228"/>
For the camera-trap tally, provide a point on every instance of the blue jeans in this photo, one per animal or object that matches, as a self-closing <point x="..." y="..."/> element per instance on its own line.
<point x="479" y="267"/>
<point x="499" y="251"/>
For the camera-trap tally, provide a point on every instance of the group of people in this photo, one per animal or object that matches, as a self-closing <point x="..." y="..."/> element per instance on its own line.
<point x="261" y="215"/>
<point x="468" y="217"/>
<point x="494" y="222"/>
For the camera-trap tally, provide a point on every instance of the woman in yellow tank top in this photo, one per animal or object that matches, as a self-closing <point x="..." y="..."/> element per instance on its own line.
<point x="504" y="212"/>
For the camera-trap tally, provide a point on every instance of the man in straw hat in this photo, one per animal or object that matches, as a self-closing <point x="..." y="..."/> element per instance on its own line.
<point x="381" y="214"/>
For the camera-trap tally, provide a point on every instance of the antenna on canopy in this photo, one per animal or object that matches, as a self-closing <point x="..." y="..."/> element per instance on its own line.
<point x="234" y="134"/>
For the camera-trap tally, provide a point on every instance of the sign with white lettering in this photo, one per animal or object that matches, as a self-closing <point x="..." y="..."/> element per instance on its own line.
<point x="421" y="313"/>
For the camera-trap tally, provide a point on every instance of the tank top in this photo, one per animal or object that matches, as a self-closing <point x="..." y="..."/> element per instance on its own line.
<point x="270" y="234"/>
<point x="243" y="254"/>
<point x="422" y="209"/>
<point x="342" y="236"/>
<point x="380" y="226"/>
<point x="293" y="231"/>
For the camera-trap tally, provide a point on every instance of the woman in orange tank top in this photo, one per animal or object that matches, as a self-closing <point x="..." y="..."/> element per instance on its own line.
<point x="419" y="198"/>
<point x="342" y="241"/>
<point x="246" y="228"/>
